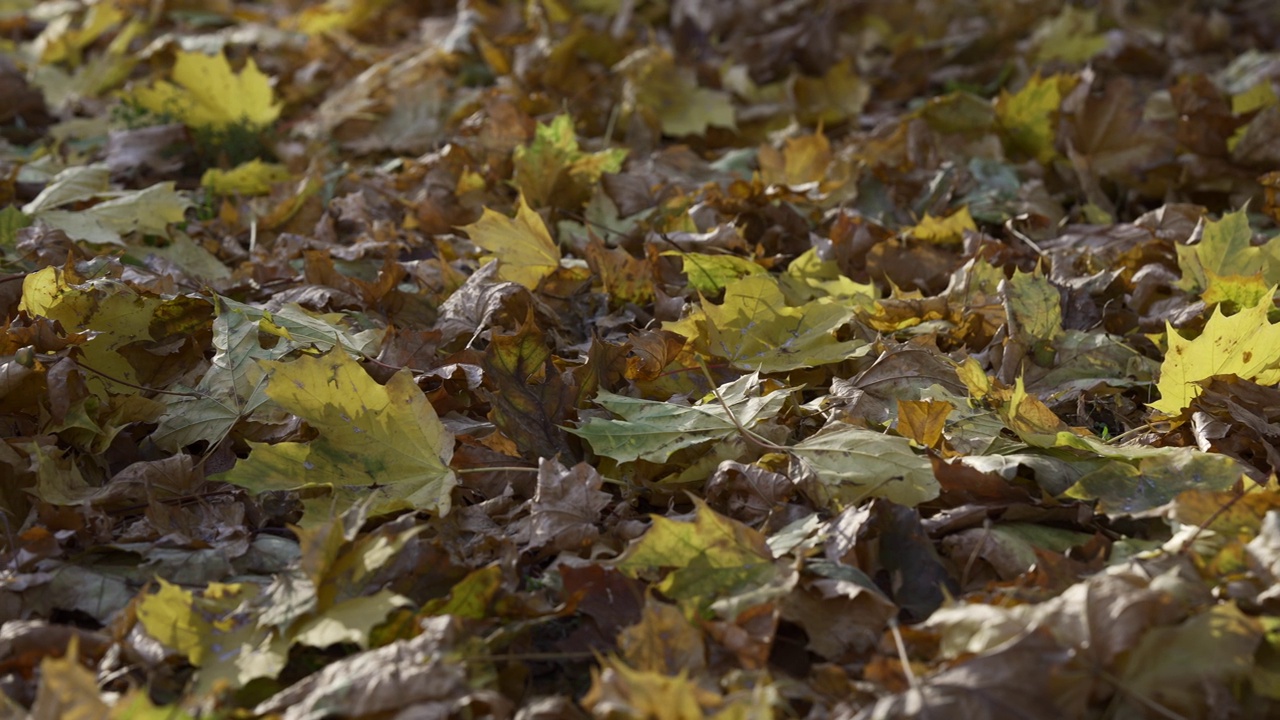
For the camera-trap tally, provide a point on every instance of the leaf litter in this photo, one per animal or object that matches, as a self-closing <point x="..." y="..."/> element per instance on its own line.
<point x="575" y="358"/>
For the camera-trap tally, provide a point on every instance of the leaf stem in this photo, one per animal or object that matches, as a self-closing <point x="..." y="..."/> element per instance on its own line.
<point x="746" y="434"/>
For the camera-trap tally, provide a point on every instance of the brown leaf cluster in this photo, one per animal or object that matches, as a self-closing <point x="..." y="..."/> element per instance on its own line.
<point x="802" y="359"/>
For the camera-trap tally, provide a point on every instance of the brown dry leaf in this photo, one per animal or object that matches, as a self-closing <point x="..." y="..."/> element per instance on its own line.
<point x="1011" y="680"/>
<point x="566" y="506"/>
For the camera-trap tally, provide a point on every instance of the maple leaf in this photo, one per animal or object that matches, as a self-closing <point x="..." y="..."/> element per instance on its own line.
<point x="384" y="440"/>
<point x="852" y="464"/>
<point x="804" y="162"/>
<point x="1071" y="36"/>
<point x="209" y="94"/>
<point x="709" y="274"/>
<point x="234" y="387"/>
<point x="755" y="329"/>
<point x="530" y="397"/>
<point x="552" y="165"/>
<point x="117" y="314"/>
<point x="116" y="214"/>
<point x="713" y="556"/>
<point x="566" y="506"/>
<point x="522" y="247"/>
<point x="252" y="178"/>
<point x="653" y="431"/>
<point x="1027" y="116"/>
<point x="671" y="94"/>
<point x="1244" y="344"/>
<point x="68" y="688"/>
<point x="1225" y="266"/>
<point x="947" y="230"/>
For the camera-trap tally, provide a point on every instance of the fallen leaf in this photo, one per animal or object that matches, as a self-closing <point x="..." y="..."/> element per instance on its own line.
<point x="209" y="94"/>
<point x="522" y="247"/>
<point x="384" y="440"/>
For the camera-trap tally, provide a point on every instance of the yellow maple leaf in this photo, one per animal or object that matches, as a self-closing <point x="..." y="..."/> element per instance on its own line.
<point x="384" y="441"/>
<point x="210" y="95"/>
<point x="252" y="178"/>
<point x="1026" y="117"/>
<point x="946" y="230"/>
<point x="1244" y="344"/>
<point x="669" y="94"/>
<point x="755" y="329"/>
<point x="522" y="246"/>
<point x="552" y="167"/>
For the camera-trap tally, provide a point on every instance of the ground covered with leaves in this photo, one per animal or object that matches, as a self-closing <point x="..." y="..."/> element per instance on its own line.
<point x="597" y="358"/>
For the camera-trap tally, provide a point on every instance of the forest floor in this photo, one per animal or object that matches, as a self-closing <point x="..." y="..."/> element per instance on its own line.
<point x="600" y="358"/>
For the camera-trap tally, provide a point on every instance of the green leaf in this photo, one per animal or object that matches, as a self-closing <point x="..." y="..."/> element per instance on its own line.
<point x="374" y="440"/>
<point x="708" y="274"/>
<point x="852" y="464"/>
<point x="1155" y="480"/>
<point x="653" y="431"/>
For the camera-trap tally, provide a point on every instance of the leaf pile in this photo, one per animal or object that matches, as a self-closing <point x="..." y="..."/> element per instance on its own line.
<point x="587" y="358"/>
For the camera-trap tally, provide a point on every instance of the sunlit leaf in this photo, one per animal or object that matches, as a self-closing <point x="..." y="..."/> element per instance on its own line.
<point x="209" y="94"/>
<point x="652" y="431"/>
<point x="946" y="230"/>
<point x="554" y="164"/>
<point x="384" y="440"/>
<point x="709" y="274"/>
<point x="711" y="556"/>
<point x="671" y="93"/>
<point x="1071" y="36"/>
<point x="755" y="329"/>
<point x="852" y="465"/>
<point x="1027" y="116"/>
<point x="252" y="178"/>
<point x="1244" y="344"/>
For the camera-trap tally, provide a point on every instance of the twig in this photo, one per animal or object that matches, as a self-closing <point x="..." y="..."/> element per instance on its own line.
<point x="912" y="680"/>
<point x="49" y="359"/>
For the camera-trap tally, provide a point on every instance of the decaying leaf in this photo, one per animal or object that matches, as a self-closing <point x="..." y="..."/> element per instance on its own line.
<point x="602" y="358"/>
